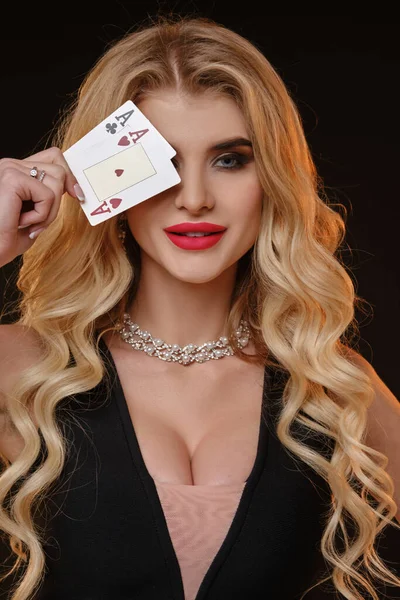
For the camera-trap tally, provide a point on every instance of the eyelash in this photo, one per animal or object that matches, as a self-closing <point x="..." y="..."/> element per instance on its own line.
<point x="241" y="160"/>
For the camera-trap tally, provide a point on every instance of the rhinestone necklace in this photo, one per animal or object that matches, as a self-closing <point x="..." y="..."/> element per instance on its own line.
<point x="186" y="355"/>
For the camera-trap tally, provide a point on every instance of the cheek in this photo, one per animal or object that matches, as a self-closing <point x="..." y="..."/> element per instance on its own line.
<point x="139" y="218"/>
<point x="248" y="201"/>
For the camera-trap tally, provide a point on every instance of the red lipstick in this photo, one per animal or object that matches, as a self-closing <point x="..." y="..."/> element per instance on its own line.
<point x="191" y="227"/>
<point x="176" y="233"/>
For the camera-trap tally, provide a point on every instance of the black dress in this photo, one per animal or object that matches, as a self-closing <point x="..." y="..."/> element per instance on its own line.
<point x="107" y="537"/>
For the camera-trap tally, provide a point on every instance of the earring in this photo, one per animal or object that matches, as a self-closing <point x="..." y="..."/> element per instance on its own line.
<point x="122" y="229"/>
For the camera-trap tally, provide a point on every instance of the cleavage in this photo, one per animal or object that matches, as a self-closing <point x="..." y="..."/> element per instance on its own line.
<point x="209" y="439"/>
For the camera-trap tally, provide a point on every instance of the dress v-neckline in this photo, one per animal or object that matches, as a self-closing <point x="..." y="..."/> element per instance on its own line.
<point x="151" y="491"/>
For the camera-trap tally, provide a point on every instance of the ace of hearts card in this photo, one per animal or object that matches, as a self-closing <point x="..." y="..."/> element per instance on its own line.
<point x="123" y="161"/>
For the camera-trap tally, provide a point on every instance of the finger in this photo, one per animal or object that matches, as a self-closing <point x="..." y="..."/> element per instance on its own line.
<point x="53" y="179"/>
<point x="55" y="156"/>
<point x="29" y="217"/>
<point x="55" y="170"/>
<point x="22" y="188"/>
<point x="26" y="166"/>
<point x="43" y="169"/>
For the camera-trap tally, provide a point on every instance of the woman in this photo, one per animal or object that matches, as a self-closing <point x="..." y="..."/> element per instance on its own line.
<point x="129" y="475"/>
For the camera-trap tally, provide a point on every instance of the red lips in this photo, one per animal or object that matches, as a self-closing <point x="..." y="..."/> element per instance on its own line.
<point x="195" y="243"/>
<point x="189" y="227"/>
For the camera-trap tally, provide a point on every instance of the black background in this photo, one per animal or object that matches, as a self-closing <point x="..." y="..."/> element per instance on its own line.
<point x="342" y="72"/>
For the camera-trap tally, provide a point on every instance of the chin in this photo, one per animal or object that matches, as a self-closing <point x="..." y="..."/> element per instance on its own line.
<point x="202" y="273"/>
<point x="191" y="273"/>
<point x="195" y="278"/>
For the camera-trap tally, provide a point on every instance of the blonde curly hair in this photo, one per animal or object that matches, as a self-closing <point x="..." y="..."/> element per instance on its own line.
<point x="292" y="288"/>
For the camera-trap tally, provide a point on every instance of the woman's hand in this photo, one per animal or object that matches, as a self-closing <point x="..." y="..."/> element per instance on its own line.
<point x="17" y="186"/>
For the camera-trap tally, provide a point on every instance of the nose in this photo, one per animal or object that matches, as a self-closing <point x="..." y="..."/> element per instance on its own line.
<point x="193" y="192"/>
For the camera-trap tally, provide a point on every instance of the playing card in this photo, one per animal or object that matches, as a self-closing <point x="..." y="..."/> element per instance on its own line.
<point x="125" y="117"/>
<point x="122" y="172"/>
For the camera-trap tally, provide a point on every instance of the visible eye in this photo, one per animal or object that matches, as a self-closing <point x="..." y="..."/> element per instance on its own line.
<point x="238" y="160"/>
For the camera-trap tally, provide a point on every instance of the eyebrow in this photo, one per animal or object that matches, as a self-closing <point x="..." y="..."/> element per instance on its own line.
<point x="226" y="144"/>
<point x="232" y="142"/>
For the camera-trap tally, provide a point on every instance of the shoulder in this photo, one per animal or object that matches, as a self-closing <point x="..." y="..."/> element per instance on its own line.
<point x="20" y="348"/>
<point x="384" y="400"/>
<point x="19" y="341"/>
<point x="357" y="359"/>
<point x="383" y="423"/>
<point x="384" y="411"/>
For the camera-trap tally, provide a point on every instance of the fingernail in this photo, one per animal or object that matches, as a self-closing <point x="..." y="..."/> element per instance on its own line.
<point x="34" y="234"/>
<point x="23" y="226"/>
<point x="79" y="193"/>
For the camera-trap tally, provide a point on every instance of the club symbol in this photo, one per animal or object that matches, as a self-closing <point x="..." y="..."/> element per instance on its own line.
<point x="111" y="127"/>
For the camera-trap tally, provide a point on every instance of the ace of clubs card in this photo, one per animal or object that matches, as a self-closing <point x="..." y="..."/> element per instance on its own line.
<point x="121" y="170"/>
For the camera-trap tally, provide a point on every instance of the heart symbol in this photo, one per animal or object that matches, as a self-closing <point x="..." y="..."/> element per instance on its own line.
<point x="119" y="172"/>
<point x="124" y="141"/>
<point x="115" y="202"/>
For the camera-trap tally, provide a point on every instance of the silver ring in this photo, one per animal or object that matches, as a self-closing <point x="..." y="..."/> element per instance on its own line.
<point x="33" y="172"/>
<point x="42" y="175"/>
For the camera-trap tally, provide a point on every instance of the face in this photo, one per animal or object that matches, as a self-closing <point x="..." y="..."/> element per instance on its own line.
<point x="218" y="185"/>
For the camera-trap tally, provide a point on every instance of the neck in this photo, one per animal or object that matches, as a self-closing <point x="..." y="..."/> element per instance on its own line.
<point x="181" y="312"/>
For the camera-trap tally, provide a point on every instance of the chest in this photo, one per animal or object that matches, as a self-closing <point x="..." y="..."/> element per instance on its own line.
<point x="198" y="428"/>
